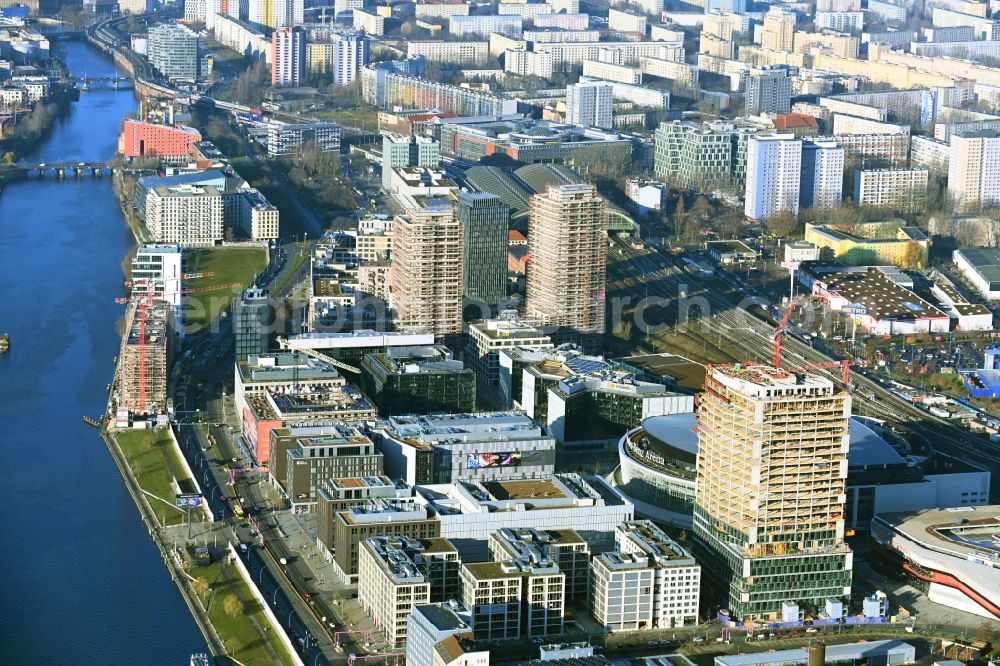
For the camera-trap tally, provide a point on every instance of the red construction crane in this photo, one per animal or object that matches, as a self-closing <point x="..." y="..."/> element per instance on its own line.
<point x="143" y="301"/>
<point x="779" y="333"/>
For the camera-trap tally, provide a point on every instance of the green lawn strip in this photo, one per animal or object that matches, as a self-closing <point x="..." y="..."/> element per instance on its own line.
<point x="296" y="264"/>
<point x="237" y="616"/>
<point x="364" y="118"/>
<point x="152" y="460"/>
<point x="228" y="265"/>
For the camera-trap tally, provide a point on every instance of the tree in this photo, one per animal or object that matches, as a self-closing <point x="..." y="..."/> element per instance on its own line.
<point x="783" y="223"/>
<point x="702" y="208"/>
<point x="912" y="256"/>
<point x="251" y="84"/>
<point x="679" y="215"/>
<point x="692" y="228"/>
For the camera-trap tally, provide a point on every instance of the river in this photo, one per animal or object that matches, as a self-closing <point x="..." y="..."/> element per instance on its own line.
<point x="81" y="579"/>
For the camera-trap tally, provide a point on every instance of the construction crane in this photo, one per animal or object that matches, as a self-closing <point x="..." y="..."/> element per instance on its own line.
<point x="843" y="364"/>
<point x="143" y="301"/>
<point x="322" y="357"/>
<point x="779" y="333"/>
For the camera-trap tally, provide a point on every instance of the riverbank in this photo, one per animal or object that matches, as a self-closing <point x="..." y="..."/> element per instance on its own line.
<point x="36" y="126"/>
<point x="177" y="574"/>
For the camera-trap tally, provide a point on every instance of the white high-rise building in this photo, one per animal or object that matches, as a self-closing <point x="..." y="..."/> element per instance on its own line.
<point x="822" y="182"/>
<point x="350" y="53"/>
<point x="589" y="103"/>
<point x="288" y="57"/>
<point x="157" y="270"/>
<point x="774" y="168"/>
<point x="974" y="168"/>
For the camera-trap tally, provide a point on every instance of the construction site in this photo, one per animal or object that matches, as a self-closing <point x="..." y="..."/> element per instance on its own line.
<point x="773" y="448"/>
<point x="145" y="358"/>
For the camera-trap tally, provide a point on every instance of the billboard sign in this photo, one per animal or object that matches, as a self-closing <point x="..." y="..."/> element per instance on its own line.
<point x="853" y="309"/>
<point x="189" y="499"/>
<point x="482" y="460"/>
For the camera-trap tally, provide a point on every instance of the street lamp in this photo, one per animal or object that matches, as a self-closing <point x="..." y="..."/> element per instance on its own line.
<point x="274" y="599"/>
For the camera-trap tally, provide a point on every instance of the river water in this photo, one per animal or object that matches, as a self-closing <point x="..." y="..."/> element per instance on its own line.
<point x="82" y="583"/>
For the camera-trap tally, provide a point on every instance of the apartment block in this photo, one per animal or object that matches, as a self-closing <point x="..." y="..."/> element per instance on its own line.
<point x="822" y="174"/>
<point x="564" y="547"/>
<point x="288" y="57"/>
<point x="557" y="36"/>
<point x="875" y="150"/>
<point x="619" y="21"/>
<point x="459" y="26"/>
<point x="768" y="91"/>
<point x="398" y="516"/>
<point x="589" y="103"/>
<point x="368" y="22"/>
<point x="514" y="598"/>
<point x="610" y="72"/>
<point x="928" y="153"/>
<point x="188" y="215"/>
<point x="839" y="44"/>
<point x="488" y="337"/>
<point x="440" y="10"/>
<point x="840" y="21"/>
<point x="666" y="69"/>
<point x="290" y="138"/>
<point x="457" y="53"/>
<point x="567" y="21"/>
<point x="899" y="189"/>
<point x="386" y="88"/>
<point x="173" y="50"/>
<point x="779" y="28"/>
<point x="769" y="503"/>
<point x="648" y="582"/>
<point x="528" y="63"/>
<point x="565" y="282"/>
<point x="974" y="169"/>
<point x="426" y="281"/>
<point x="395" y="574"/>
<point x="774" y="166"/>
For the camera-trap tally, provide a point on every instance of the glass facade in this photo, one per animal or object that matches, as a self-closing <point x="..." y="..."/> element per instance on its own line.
<point x="484" y="219"/>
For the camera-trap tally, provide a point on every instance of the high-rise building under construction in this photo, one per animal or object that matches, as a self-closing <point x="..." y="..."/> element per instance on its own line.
<point x="566" y="274"/>
<point x="769" y="503"/>
<point x="425" y="279"/>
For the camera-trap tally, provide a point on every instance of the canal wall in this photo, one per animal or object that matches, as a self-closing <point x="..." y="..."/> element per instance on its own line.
<point x="177" y="574"/>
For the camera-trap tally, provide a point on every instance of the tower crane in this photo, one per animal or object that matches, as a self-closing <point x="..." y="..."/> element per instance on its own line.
<point x="779" y="334"/>
<point x="143" y="301"/>
<point x="322" y="357"/>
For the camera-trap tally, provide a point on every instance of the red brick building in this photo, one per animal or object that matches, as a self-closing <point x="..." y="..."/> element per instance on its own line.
<point x="142" y="139"/>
